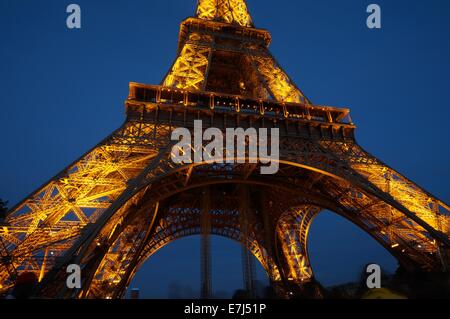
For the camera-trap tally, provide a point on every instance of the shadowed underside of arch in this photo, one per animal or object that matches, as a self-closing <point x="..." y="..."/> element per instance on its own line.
<point x="169" y="208"/>
<point x="176" y="224"/>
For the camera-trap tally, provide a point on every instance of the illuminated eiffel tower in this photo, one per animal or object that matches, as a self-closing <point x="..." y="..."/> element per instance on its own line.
<point x="122" y="201"/>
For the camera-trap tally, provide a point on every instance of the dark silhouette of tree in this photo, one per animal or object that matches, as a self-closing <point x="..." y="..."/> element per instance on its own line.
<point x="422" y="285"/>
<point x="309" y="290"/>
<point x="269" y="292"/>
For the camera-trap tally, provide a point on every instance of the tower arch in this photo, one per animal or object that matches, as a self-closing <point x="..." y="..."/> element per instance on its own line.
<point x="291" y="218"/>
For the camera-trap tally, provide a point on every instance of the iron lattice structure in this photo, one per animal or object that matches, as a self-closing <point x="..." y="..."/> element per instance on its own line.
<point x="125" y="199"/>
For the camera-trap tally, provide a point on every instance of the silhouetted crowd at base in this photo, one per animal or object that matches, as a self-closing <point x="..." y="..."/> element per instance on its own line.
<point x="401" y="285"/>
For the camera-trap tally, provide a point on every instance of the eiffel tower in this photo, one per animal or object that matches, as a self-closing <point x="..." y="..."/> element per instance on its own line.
<point x="125" y="199"/>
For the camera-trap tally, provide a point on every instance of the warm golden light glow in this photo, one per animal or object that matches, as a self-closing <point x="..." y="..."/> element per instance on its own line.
<point x="189" y="69"/>
<point x="230" y="11"/>
<point x="278" y="81"/>
<point x="55" y="215"/>
<point x="108" y="201"/>
<point x="293" y="230"/>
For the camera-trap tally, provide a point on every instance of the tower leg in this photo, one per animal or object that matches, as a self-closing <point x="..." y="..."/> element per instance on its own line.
<point x="206" y="286"/>
<point x="248" y="270"/>
<point x="293" y="230"/>
<point x="268" y="234"/>
<point x="248" y="263"/>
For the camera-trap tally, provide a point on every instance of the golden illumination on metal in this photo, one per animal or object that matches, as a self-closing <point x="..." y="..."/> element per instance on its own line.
<point x="124" y="200"/>
<point x="189" y="69"/>
<point x="229" y="11"/>
<point x="405" y="213"/>
<point x="293" y="229"/>
<point x="56" y="214"/>
<point x="409" y="195"/>
<point x="279" y="83"/>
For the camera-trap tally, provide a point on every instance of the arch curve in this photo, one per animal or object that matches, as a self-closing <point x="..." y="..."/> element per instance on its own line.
<point x="337" y="192"/>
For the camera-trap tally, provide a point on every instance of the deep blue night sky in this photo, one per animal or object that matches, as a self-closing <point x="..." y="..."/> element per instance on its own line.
<point x="62" y="91"/>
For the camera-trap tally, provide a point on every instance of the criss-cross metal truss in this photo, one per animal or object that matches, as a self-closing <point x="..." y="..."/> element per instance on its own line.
<point x="293" y="228"/>
<point x="121" y="202"/>
<point x="229" y="11"/>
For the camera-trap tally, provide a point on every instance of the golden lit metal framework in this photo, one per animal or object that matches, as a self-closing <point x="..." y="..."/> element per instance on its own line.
<point x="125" y="199"/>
<point x="229" y="11"/>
